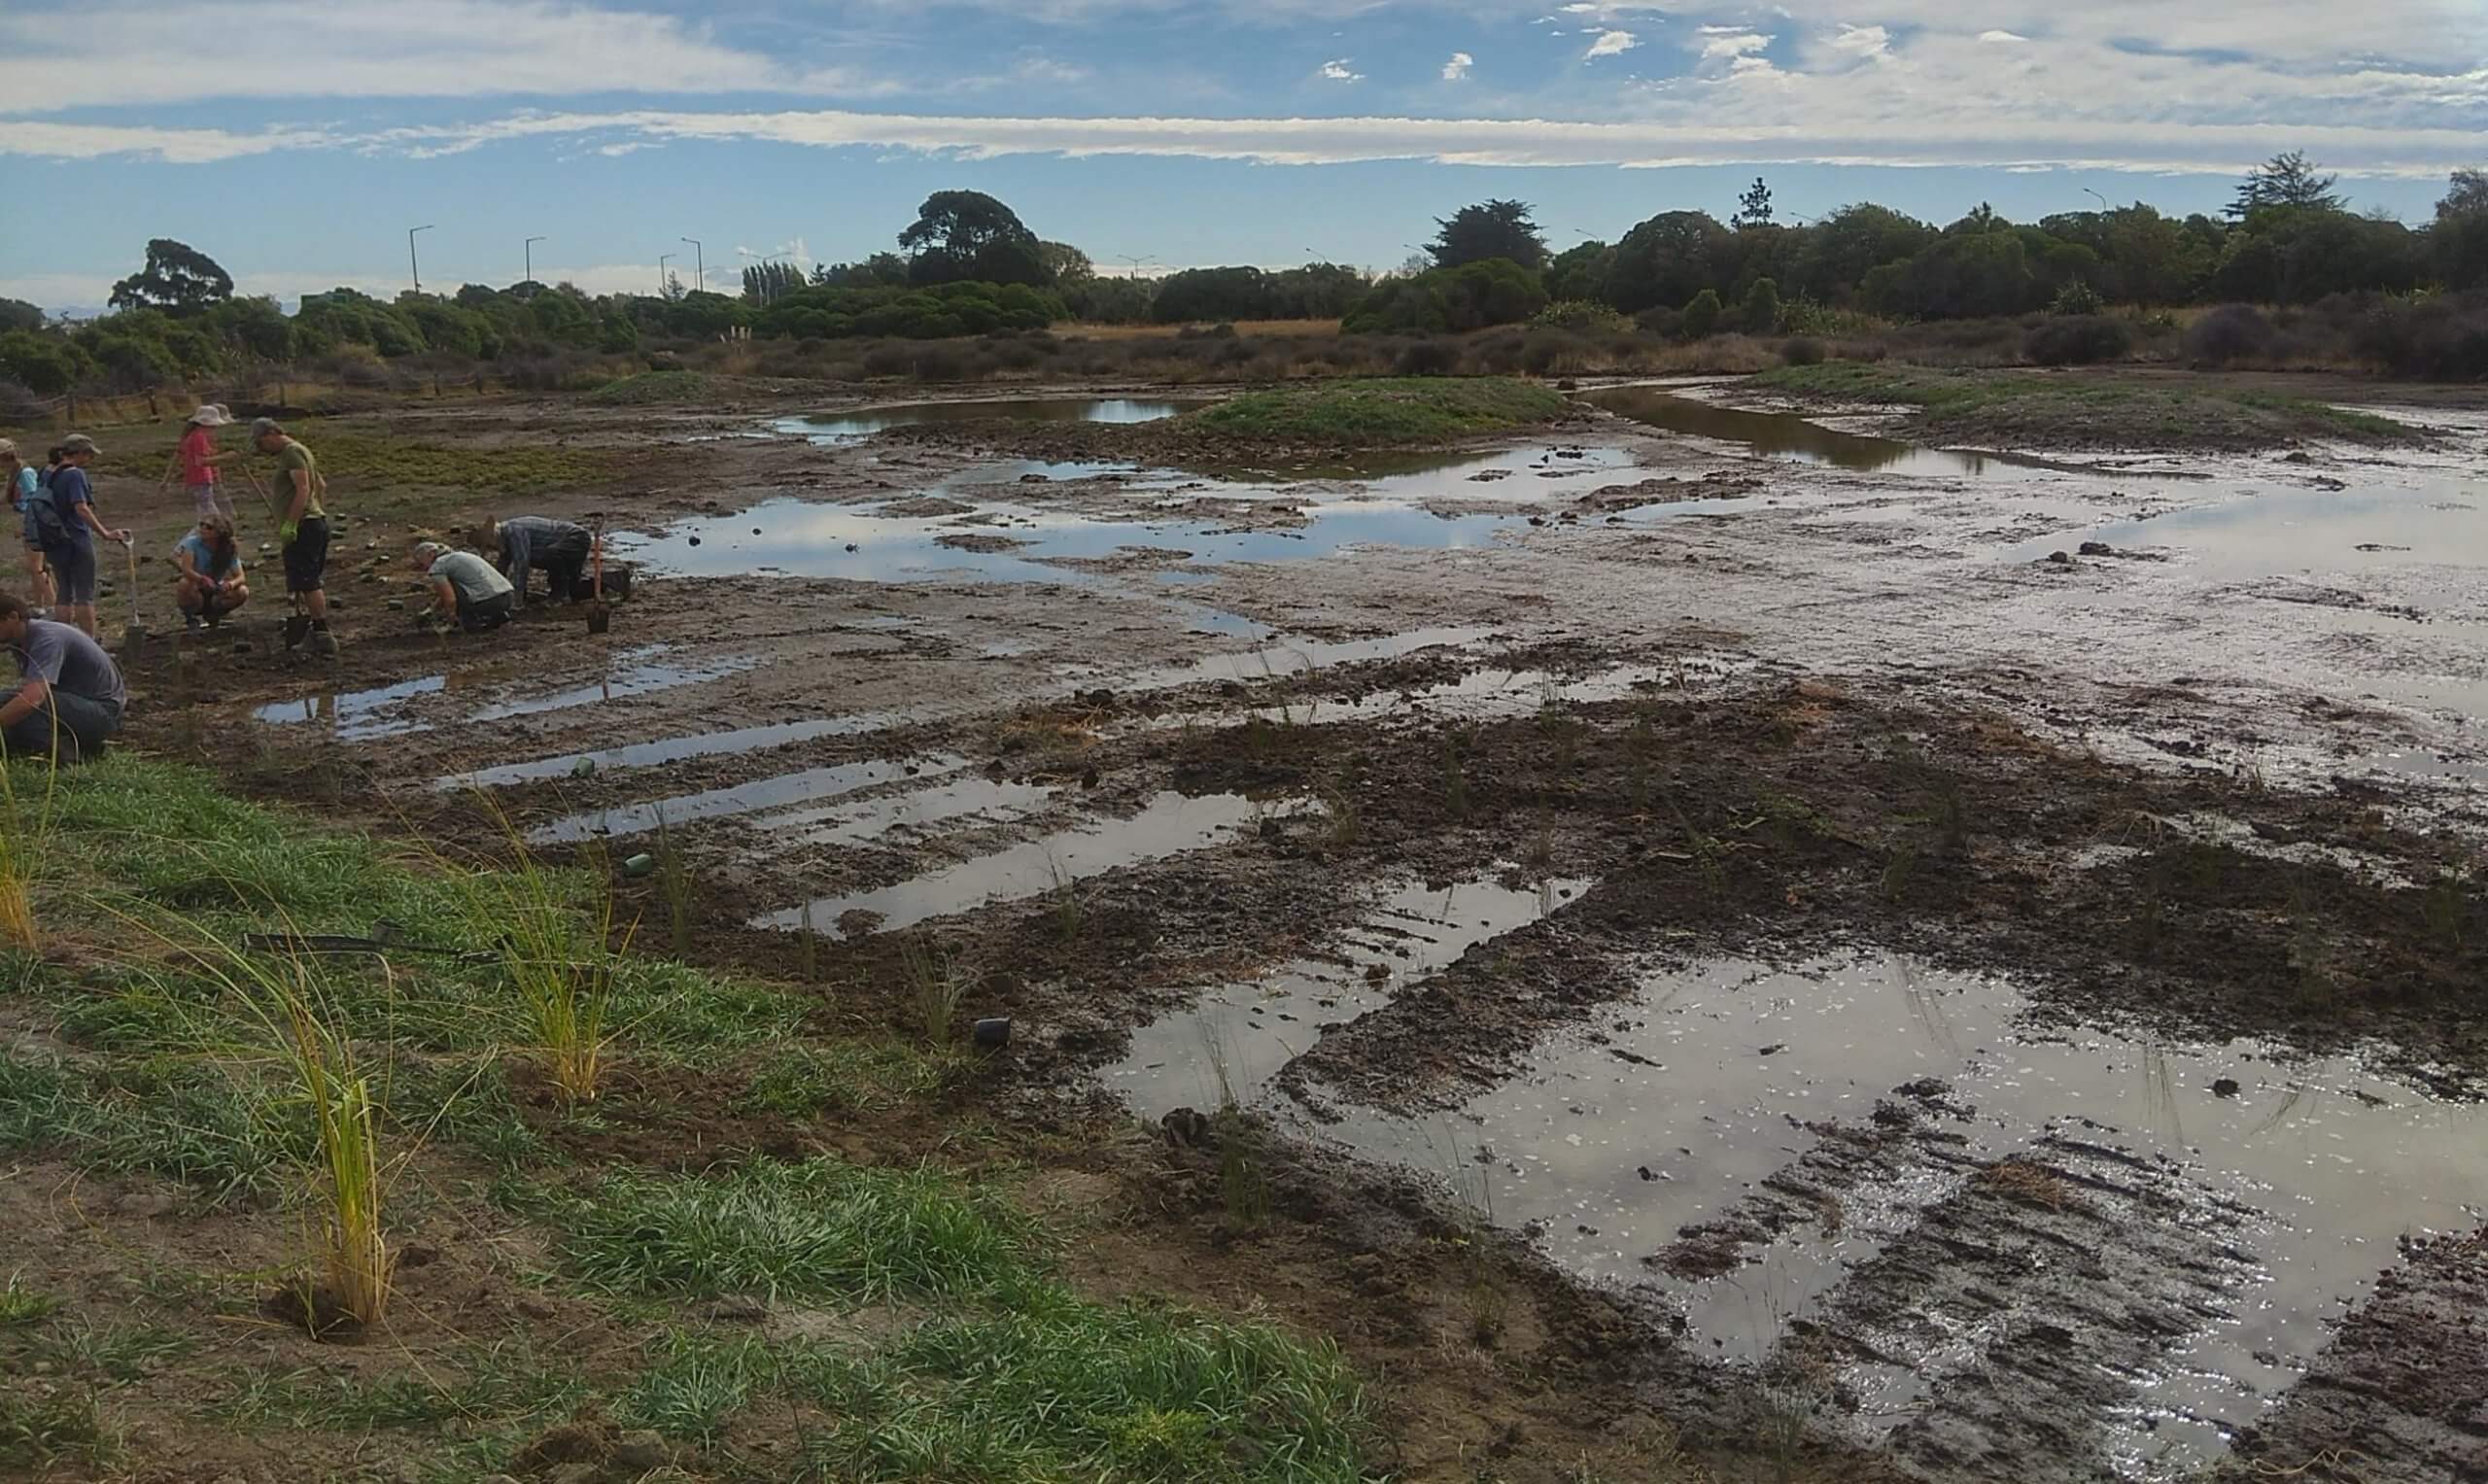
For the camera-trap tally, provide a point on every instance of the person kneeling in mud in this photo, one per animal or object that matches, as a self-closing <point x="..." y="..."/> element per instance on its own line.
<point x="209" y="582"/>
<point x="525" y="543"/>
<point x="465" y="588"/>
<point x="72" y="697"/>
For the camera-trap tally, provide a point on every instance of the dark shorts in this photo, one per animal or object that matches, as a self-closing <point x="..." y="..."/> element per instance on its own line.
<point x="72" y="571"/>
<point x="83" y="724"/>
<point x="491" y="613"/>
<point x="307" y="555"/>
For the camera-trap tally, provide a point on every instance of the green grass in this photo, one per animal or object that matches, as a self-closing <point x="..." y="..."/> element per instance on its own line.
<point x="2005" y="408"/>
<point x="497" y="1383"/>
<point x="21" y="1306"/>
<point x="843" y="1077"/>
<point x="42" y="1425"/>
<point x="816" y="1229"/>
<point x="115" y="1352"/>
<point x="1415" y="409"/>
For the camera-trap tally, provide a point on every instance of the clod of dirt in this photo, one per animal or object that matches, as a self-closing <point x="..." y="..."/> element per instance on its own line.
<point x="2226" y="1086"/>
<point x="316" y="1310"/>
<point x="2059" y="558"/>
<point x="2097" y="549"/>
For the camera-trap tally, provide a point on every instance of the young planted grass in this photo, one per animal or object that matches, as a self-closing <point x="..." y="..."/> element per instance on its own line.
<point x="21" y="1306"/>
<point x="25" y="842"/>
<point x="561" y="965"/>
<point x="820" y="1230"/>
<point x="42" y="1425"/>
<point x="936" y="984"/>
<point x="673" y="883"/>
<point x="843" y="1077"/>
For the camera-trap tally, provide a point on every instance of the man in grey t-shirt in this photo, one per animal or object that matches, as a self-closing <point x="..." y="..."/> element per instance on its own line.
<point x="72" y="695"/>
<point x="465" y="588"/>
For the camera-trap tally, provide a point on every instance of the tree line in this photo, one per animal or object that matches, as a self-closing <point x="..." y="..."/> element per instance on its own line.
<point x="969" y="265"/>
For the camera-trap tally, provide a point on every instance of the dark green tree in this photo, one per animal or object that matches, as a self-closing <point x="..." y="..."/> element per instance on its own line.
<point x="2285" y="179"/>
<point x="18" y="314"/>
<point x="2459" y="237"/>
<point x="177" y="278"/>
<point x="1762" y="308"/>
<point x="1701" y="315"/>
<point x="1753" y="208"/>
<point x="1665" y="262"/>
<point x="1487" y="230"/>
<point x="969" y="236"/>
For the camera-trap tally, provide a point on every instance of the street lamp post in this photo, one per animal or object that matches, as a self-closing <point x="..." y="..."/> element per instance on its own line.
<point x="1134" y="262"/>
<point x="662" y="259"/>
<point x="2103" y="200"/>
<point x="529" y="248"/>
<point x="412" y="264"/>
<point x="699" y="262"/>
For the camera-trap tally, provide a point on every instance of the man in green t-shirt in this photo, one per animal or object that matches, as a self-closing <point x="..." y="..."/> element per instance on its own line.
<point x="302" y="525"/>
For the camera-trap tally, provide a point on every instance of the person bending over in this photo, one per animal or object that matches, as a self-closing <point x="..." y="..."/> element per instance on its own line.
<point x="525" y="543"/>
<point x="71" y="696"/>
<point x="465" y="588"/>
<point x="209" y="582"/>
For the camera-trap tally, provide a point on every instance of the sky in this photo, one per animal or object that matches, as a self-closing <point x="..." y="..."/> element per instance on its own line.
<point x="297" y="143"/>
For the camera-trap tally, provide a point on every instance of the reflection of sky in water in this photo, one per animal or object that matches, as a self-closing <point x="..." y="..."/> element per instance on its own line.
<point x="2340" y="1177"/>
<point x="359" y="713"/>
<point x="800" y="539"/>
<point x="1784" y="435"/>
<point x="845" y="427"/>
<point x="2437" y="520"/>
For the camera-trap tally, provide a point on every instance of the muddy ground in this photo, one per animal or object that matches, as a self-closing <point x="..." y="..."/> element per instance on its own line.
<point x="1122" y="720"/>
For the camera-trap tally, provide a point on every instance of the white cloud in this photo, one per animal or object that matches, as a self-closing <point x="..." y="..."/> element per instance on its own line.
<point x="1612" y="44"/>
<point x="1726" y="42"/>
<point x="1338" y="72"/>
<point x="1862" y="41"/>
<point x="1458" y="67"/>
<point x="114" y="54"/>
<point x="1992" y="37"/>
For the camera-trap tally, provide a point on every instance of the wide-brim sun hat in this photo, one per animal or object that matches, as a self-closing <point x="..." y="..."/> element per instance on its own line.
<point x="211" y="416"/>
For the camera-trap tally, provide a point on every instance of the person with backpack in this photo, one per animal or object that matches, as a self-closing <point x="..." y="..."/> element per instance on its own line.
<point x="72" y="697"/>
<point x="302" y="525"/>
<point x="25" y="479"/>
<point x="62" y="516"/>
<point x="210" y="578"/>
<point x="198" y="460"/>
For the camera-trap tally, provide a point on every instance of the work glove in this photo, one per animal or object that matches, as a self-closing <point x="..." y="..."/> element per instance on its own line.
<point x="286" y="532"/>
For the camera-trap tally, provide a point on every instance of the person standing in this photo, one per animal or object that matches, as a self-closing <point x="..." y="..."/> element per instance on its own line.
<point x="465" y="588"/>
<point x="302" y="525"/>
<point x="72" y="695"/>
<point x="62" y="515"/>
<point x="24" y="481"/>
<point x="198" y="460"/>
<point x="529" y="541"/>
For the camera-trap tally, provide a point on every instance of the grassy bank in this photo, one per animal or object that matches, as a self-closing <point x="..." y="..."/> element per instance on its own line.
<point x="640" y="1260"/>
<point x="2010" y="409"/>
<point x="1415" y="409"/>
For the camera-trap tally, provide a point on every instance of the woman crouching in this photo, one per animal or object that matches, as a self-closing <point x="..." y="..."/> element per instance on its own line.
<point x="210" y="583"/>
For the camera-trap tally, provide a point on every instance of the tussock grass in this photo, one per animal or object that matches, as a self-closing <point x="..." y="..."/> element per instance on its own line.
<point x="1411" y="410"/>
<point x="40" y="1426"/>
<point x="25" y="842"/>
<point x="936" y="984"/>
<point x="21" y="1306"/>
<point x="819" y="1228"/>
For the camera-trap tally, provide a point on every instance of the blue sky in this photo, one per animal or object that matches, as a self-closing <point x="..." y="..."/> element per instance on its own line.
<point x="297" y="143"/>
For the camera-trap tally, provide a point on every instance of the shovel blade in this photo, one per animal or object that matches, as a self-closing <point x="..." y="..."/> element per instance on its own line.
<point x="598" y="618"/>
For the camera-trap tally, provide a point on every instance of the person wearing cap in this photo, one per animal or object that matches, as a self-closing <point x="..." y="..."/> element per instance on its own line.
<point x="526" y="542"/>
<point x="24" y="481"/>
<point x="302" y="525"/>
<point x="72" y="696"/>
<point x="465" y="588"/>
<point x="198" y="458"/>
<point x="68" y="541"/>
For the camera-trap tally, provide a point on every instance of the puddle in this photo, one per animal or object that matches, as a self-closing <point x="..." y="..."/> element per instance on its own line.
<point x="671" y="749"/>
<point x="2279" y="532"/>
<point x="781" y="791"/>
<point x="1787" y="437"/>
<point x="850" y="427"/>
<point x="641" y="673"/>
<point x="798" y="538"/>
<point x="1608" y="1150"/>
<point x="355" y="716"/>
<point x="1288" y="659"/>
<point x="1171" y="824"/>
<point x="1241" y="1036"/>
<point x="888" y="820"/>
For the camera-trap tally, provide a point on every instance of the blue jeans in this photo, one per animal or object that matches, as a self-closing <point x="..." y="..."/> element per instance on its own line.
<point x="83" y="723"/>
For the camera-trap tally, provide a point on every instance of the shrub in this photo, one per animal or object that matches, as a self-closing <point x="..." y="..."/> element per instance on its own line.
<point x="1427" y="358"/>
<point x="1801" y="350"/>
<point x="1762" y="308"/>
<point x="2077" y="296"/>
<point x="1701" y="317"/>
<point x="2077" y="341"/>
<point x="1579" y="314"/>
<point x="2230" y="332"/>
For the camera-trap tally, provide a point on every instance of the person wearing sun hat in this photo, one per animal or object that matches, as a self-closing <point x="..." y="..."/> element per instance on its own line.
<point x="198" y="460"/>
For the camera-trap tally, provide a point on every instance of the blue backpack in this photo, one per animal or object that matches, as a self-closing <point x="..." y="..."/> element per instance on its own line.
<point x="43" y="516"/>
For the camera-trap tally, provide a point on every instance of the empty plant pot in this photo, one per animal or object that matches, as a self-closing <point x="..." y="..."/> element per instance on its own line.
<point x="992" y="1033"/>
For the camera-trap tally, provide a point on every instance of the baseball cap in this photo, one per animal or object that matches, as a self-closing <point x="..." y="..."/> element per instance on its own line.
<point x="79" y="443"/>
